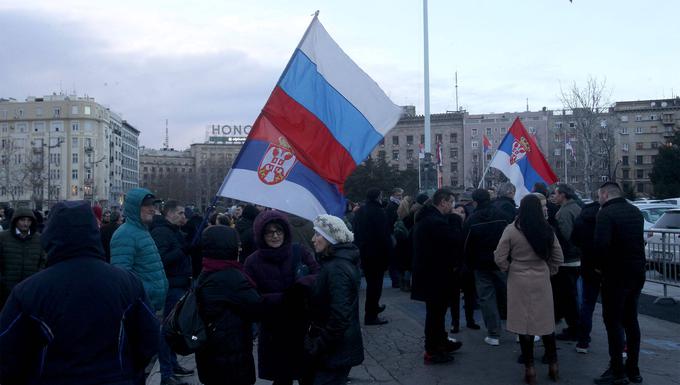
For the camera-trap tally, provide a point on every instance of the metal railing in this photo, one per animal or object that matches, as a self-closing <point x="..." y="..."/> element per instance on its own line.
<point x="662" y="251"/>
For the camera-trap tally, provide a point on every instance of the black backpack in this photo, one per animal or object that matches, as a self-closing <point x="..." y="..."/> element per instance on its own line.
<point x="184" y="329"/>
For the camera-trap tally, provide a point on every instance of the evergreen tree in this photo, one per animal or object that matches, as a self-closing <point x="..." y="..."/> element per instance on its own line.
<point x="665" y="174"/>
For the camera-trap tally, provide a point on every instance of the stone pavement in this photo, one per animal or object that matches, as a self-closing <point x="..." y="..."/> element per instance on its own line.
<point x="394" y="353"/>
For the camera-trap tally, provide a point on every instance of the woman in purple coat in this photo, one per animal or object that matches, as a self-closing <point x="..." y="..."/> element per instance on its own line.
<point x="277" y="267"/>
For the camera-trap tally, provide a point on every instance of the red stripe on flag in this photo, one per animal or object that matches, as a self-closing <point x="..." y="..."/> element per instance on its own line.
<point x="313" y="143"/>
<point x="535" y="157"/>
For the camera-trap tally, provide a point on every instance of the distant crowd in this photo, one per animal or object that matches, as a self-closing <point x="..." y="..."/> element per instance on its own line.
<point x="92" y="296"/>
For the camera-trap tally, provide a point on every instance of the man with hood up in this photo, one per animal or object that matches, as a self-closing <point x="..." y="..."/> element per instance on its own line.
<point x="79" y="321"/>
<point x="20" y="253"/>
<point x="133" y="249"/>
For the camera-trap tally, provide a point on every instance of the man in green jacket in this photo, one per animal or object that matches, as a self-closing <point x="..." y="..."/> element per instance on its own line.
<point x="20" y="252"/>
<point x="133" y="249"/>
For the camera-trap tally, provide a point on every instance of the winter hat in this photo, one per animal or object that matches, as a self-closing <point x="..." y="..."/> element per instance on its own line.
<point x="333" y="229"/>
<point x="422" y="198"/>
<point x="220" y="242"/>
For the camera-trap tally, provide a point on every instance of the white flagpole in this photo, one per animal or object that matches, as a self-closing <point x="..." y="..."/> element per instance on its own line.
<point x="426" y="52"/>
<point x="565" y="156"/>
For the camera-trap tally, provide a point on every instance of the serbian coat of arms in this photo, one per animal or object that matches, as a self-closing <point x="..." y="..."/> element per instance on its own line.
<point x="277" y="162"/>
<point x="520" y="148"/>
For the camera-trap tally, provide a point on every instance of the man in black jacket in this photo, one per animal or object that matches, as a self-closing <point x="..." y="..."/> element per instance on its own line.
<point x="582" y="237"/>
<point x="505" y="203"/>
<point x="482" y="231"/>
<point x="107" y="232"/>
<point x="81" y="320"/>
<point x="620" y="257"/>
<point x="392" y="217"/>
<point x="437" y="261"/>
<point x="373" y="238"/>
<point x="177" y="264"/>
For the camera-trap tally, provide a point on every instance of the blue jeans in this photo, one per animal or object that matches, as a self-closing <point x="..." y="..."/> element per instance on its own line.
<point x="166" y="357"/>
<point x="590" y="291"/>
<point x="491" y="290"/>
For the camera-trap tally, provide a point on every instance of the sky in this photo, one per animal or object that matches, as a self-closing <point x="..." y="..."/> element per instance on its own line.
<point x="216" y="62"/>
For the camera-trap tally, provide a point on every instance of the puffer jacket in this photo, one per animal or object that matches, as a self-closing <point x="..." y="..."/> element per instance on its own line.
<point x="334" y="339"/>
<point x="80" y="321"/>
<point x="19" y="257"/>
<point x="133" y="249"/>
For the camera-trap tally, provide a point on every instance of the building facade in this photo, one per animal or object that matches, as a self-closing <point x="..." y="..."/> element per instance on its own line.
<point x="56" y="147"/>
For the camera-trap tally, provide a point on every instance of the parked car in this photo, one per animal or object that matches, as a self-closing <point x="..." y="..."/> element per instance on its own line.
<point x="653" y="211"/>
<point x="673" y="201"/>
<point x="663" y="247"/>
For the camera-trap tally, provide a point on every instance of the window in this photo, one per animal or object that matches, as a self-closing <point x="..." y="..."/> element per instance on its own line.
<point x="558" y="125"/>
<point x="409" y="166"/>
<point x="453" y="138"/>
<point x="475" y="158"/>
<point x="4" y="127"/>
<point x="532" y="130"/>
<point x="639" y="146"/>
<point x="638" y="159"/>
<point x="20" y="113"/>
<point x="56" y="126"/>
<point x="38" y="111"/>
<point x="22" y="127"/>
<point x="624" y="147"/>
<point x="638" y="130"/>
<point x="624" y="130"/>
<point x="57" y="112"/>
<point x="454" y="154"/>
<point x="626" y="174"/>
<point x="381" y="155"/>
<point x="454" y="166"/>
<point x="74" y="158"/>
<point x="3" y="114"/>
<point x="652" y="117"/>
<point x="74" y="174"/>
<point x="557" y="152"/>
<point x="395" y="155"/>
<point x="572" y="124"/>
<point x="475" y="144"/>
<point x="409" y="154"/>
<point x="639" y="174"/>
<point x="624" y="118"/>
<point x="438" y="138"/>
<point x="474" y="132"/>
<point x="655" y="144"/>
<point x="624" y="160"/>
<point x="86" y="110"/>
<point x="558" y="138"/>
<point x="395" y="140"/>
<point x="74" y="142"/>
<point x="75" y="126"/>
<point x="488" y="131"/>
<point x="409" y="140"/>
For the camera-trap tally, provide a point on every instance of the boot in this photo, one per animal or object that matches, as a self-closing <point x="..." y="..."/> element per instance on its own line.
<point x="530" y="375"/>
<point x="554" y="371"/>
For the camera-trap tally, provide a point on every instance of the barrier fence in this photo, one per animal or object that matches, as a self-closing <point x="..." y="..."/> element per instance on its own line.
<point x="663" y="257"/>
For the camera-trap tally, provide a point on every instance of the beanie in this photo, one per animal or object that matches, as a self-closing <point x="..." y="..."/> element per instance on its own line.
<point x="333" y="229"/>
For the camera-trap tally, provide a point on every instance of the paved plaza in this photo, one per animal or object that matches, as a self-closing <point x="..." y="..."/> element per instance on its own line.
<point x="394" y="352"/>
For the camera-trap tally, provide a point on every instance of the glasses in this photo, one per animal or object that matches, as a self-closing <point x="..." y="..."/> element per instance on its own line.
<point x="278" y="233"/>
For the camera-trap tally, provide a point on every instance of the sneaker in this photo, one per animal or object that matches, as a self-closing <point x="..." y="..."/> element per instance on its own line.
<point x="437" y="358"/>
<point x="582" y="347"/>
<point x="625" y="351"/>
<point x="493" y="341"/>
<point x="172" y="380"/>
<point x="608" y="378"/>
<point x="537" y="339"/>
<point x="451" y="345"/>
<point x="375" y="321"/>
<point x="182" y="372"/>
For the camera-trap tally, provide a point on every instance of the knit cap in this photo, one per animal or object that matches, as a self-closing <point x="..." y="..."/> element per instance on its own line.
<point x="333" y="229"/>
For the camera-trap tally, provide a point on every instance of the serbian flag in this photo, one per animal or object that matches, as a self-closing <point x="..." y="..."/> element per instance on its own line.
<point x="520" y="159"/>
<point x="323" y="118"/>
<point x="486" y="143"/>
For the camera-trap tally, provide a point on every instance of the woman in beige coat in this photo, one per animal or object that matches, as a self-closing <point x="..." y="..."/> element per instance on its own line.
<point x="529" y="251"/>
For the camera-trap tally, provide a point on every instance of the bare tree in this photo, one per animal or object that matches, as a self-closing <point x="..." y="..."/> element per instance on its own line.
<point x="35" y="176"/>
<point x="588" y="104"/>
<point x="12" y="174"/>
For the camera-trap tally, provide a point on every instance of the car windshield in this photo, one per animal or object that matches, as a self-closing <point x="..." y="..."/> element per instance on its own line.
<point x="669" y="220"/>
<point x="653" y="215"/>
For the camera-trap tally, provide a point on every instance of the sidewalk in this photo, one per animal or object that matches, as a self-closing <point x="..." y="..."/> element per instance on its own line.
<point x="394" y="353"/>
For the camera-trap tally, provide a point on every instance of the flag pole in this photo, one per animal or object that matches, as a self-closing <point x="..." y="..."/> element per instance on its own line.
<point x="565" y="156"/>
<point x="483" y="161"/>
<point x="487" y="169"/>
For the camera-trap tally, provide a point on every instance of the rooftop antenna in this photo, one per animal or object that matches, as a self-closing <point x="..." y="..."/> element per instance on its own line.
<point x="166" y="143"/>
<point x="457" y="108"/>
<point x="527" y="104"/>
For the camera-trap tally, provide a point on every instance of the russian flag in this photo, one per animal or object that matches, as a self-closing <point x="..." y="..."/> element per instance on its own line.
<point x="323" y="118"/>
<point x="520" y="159"/>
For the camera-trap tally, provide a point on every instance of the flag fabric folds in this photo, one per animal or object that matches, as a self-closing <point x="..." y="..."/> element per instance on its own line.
<point x="568" y="146"/>
<point x="323" y="118"/>
<point x="520" y="159"/>
<point x="486" y="143"/>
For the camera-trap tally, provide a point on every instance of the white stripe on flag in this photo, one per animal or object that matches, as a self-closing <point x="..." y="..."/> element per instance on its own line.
<point x="348" y="79"/>
<point x="501" y="161"/>
<point x="286" y="196"/>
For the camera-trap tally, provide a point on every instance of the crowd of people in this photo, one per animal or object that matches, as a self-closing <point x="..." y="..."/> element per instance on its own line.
<point x="84" y="295"/>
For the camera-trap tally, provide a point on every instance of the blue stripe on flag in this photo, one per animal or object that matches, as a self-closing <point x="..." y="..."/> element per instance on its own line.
<point x="302" y="82"/>
<point x="327" y="194"/>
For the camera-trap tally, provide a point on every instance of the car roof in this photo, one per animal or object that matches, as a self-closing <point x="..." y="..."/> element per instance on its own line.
<point x="658" y="206"/>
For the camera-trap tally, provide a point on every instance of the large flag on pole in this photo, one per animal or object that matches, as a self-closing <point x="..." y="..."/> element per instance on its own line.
<point x="323" y="118"/>
<point x="486" y="143"/>
<point x="520" y="159"/>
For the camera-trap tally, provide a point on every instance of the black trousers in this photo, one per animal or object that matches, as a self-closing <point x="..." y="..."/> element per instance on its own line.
<point x="435" y="325"/>
<point x="466" y="284"/>
<point x="526" y="344"/>
<point x="565" y="296"/>
<point x="374" y="285"/>
<point x="619" y="311"/>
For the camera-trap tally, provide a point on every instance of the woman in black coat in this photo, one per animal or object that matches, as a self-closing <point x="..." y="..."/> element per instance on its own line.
<point x="228" y="303"/>
<point x="334" y="342"/>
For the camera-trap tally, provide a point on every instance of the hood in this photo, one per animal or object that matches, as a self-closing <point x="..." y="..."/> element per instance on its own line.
<point x="261" y="222"/>
<point x="23" y="212"/>
<point x="220" y="242"/>
<point x="71" y="232"/>
<point x="133" y="204"/>
<point x="427" y="211"/>
<point x="348" y="251"/>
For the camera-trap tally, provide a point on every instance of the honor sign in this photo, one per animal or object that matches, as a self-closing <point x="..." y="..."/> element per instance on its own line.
<point x="228" y="133"/>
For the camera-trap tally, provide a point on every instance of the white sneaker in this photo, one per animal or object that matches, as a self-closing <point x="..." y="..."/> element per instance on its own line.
<point x="492" y="341"/>
<point x="537" y="338"/>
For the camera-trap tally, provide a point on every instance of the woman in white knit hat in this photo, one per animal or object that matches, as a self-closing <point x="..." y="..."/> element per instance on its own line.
<point x="334" y="341"/>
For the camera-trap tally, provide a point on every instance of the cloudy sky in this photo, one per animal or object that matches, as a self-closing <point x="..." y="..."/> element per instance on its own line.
<point x="203" y="62"/>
